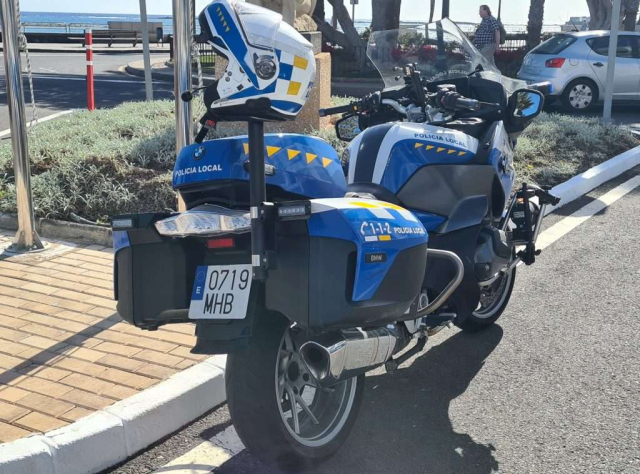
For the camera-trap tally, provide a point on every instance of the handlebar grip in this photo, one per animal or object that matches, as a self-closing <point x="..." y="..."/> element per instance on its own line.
<point x="470" y="104"/>
<point x="341" y="109"/>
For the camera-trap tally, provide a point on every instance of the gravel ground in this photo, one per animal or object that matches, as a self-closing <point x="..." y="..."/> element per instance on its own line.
<point x="553" y="388"/>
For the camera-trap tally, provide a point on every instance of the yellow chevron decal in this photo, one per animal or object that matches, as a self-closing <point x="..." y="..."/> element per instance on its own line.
<point x="462" y="153"/>
<point x="326" y="162"/>
<point x="311" y="157"/>
<point x="418" y="145"/>
<point x="430" y="147"/>
<point x="440" y="150"/>
<point x="451" y="152"/>
<point x="292" y="154"/>
<point x="246" y="148"/>
<point x="227" y="30"/>
<point x="272" y="150"/>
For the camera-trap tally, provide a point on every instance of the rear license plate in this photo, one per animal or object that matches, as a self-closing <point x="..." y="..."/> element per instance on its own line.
<point x="221" y="292"/>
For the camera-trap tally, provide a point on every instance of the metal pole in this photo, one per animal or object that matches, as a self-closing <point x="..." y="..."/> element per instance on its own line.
<point x="611" y="64"/>
<point x="26" y="238"/>
<point x="146" y="54"/>
<point x="88" y="44"/>
<point x="182" y="75"/>
<point x="445" y="9"/>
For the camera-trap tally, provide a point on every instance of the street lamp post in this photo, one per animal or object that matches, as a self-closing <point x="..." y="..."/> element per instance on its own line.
<point x="182" y="74"/>
<point x="26" y="238"/>
<point x="611" y="64"/>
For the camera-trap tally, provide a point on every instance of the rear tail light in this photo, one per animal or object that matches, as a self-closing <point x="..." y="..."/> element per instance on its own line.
<point x="205" y="221"/>
<point x="554" y="62"/>
<point x="223" y="243"/>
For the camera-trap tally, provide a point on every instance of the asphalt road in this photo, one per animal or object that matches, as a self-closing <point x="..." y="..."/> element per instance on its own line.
<point x="60" y="83"/>
<point x="554" y="387"/>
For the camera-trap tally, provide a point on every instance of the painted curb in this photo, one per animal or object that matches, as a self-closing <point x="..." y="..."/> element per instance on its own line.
<point x="585" y="182"/>
<point x="109" y="436"/>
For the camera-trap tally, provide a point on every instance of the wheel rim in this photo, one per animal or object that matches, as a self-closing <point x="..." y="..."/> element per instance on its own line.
<point x="580" y="96"/>
<point x="317" y="415"/>
<point x="492" y="297"/>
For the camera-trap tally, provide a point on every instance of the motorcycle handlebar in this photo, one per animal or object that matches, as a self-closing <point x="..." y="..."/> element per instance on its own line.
<point x="341" y="109"/>
<point x="469" y="104"/>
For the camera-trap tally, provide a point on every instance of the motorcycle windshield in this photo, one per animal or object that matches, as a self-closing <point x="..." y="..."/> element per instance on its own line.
<point x="440" y="50"/>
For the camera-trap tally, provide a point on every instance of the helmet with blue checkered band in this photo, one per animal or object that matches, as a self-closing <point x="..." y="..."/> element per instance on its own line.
<point x="271" y="66"/>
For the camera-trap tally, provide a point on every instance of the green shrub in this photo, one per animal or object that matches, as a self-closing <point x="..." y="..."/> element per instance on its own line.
<point x="120" y="160"/>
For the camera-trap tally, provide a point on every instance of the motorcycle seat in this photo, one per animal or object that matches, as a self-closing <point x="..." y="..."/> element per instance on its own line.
<point x="376" y="190"/>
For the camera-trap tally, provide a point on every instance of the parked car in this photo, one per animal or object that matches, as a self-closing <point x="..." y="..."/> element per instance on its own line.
<point x="576" y="65"/>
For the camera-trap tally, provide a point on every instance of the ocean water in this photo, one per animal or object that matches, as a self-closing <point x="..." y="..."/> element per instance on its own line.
<point x="77" y="22"/>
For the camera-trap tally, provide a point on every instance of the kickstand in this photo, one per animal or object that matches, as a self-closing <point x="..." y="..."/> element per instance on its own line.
<point x="393" y="363"/>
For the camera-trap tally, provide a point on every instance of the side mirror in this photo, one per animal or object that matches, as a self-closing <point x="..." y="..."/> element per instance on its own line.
<point x="347" y="128"/>
<point x="527" y="105"/>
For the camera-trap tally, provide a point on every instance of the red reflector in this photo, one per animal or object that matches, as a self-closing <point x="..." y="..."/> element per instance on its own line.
<point x="554" y="62"/>
<point x="225" y="243"/>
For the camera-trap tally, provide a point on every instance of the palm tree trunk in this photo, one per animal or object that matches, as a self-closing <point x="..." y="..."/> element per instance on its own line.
<point x="534" y="27"/>
<point x="385" y="15"/>
<point x="433" y="10"/>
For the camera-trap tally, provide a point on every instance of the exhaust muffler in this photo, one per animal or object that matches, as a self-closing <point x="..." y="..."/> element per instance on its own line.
<point x="334" y="357"/>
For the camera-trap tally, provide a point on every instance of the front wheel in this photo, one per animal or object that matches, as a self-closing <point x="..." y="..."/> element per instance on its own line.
<point x="280" y="412"/>
<point x="493" y="301"/>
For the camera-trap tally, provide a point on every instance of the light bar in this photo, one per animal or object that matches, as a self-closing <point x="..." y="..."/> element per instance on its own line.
<point x="205" y="220"/>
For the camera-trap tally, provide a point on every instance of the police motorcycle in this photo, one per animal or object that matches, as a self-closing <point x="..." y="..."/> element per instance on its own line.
<point x="304" y="283"/>
<point x="439" y="140"/>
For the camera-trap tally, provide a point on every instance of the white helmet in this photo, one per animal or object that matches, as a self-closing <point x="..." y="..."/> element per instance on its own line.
<point x="271" y="66"/>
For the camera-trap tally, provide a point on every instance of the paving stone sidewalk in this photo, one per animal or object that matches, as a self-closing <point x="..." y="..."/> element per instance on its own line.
<point x="64" y="352"/>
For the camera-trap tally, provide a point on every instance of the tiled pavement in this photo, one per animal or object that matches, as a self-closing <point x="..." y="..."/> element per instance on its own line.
<point x="64" y="352"/>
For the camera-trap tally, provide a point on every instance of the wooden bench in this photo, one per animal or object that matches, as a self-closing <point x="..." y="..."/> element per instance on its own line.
<point x="115" y="36"/>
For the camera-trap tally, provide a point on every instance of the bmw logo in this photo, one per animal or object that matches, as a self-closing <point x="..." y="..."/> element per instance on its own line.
<point x="199" y="153"/>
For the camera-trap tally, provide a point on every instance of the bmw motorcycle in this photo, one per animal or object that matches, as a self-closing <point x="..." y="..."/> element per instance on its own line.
<point x="307" y="279"/>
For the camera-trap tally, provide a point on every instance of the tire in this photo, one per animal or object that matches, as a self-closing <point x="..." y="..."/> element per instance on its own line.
<point x="575" y="95"/>
<point x="260" y="420"/>
<point x="482" y="318"/>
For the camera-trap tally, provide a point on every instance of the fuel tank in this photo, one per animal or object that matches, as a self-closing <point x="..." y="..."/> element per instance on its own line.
<point x="297" y="167"/>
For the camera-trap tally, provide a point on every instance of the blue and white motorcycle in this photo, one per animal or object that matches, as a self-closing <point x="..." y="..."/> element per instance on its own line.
<point x="306" y="280"/>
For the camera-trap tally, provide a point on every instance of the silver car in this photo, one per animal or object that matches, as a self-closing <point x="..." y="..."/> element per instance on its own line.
<point x="576" y="65"/>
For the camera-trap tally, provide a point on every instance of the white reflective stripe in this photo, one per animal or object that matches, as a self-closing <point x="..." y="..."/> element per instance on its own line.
<point x="408" y="215"/>
<point x="381" y="213"/>
<point x="89" y="63"/>
<point x="370" y="238"/>
<point x="354" y="146"/>
<point x="88" y="46"/>
<point x="384" y="153"/>
<point x="255" y="260"/>
<point x="254" y="212"/>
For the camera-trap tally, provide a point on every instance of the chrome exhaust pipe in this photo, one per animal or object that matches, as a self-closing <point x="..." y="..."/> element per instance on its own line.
<point x="334" y="357"/>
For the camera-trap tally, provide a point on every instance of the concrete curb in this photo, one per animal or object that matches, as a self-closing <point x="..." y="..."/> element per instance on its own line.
<point x="63" y="230"/>
<point x="585" y="182"/>
<point x="108" y="437"/>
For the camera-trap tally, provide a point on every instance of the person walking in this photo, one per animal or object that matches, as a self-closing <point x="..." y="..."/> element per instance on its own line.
<point x="487" y="38"/>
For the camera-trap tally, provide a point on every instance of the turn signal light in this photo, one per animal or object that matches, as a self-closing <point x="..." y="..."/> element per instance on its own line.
<point x="554" y="62"/>
<point x="224" y="243"/>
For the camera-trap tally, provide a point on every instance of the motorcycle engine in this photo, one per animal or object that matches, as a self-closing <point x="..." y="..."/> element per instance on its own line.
<point x="493" y="253"/>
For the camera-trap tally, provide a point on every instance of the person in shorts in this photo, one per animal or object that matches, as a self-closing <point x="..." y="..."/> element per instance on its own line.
<point x="487" y="38"/>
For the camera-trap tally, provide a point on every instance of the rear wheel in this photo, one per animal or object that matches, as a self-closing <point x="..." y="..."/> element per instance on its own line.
<point x="493" y="301"/>
<point x="280" y="412"/>
<point x="580" y="95"/>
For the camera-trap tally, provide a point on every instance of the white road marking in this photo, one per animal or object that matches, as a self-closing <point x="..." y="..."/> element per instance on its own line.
<point x="7" y="132"/>
<point x="566" y="225"/>
<point x="206" y="456"/>
<point x="221" y="448"/>
<point x="84" y="79"/>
